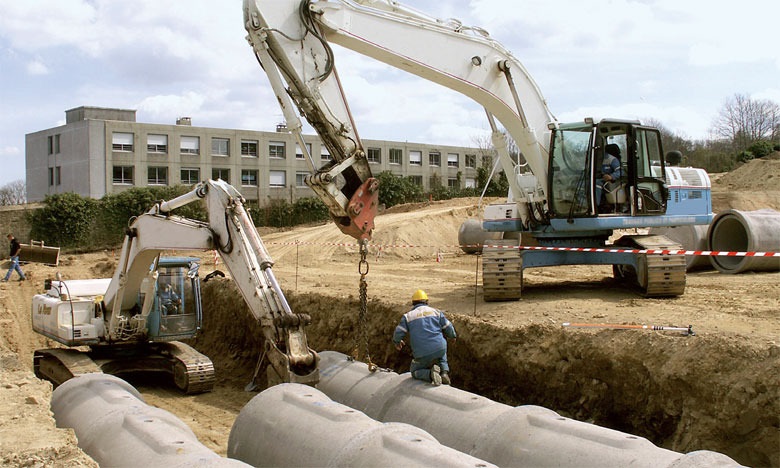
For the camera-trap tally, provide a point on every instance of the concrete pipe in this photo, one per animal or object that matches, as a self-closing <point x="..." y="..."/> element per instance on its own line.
<point x="745" y="231"/>
<point x="116" y="428"/>
<point x="296" y="425"/>
<point x="471" y="236"/>
<point x="524" y="436"/>
<point x="690" y="237"/>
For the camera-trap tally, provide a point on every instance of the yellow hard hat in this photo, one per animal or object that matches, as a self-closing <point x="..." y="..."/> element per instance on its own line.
<point x="419" y="295"/>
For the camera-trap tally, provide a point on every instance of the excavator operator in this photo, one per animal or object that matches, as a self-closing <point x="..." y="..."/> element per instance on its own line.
<point x="169" y="300"/>
<point x="428" y="329"/>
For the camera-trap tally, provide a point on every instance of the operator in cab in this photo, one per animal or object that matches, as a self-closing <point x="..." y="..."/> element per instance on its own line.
<point x="611" y="170"/>
<point x="169" y="300"/>
<point x="428" y="330"/>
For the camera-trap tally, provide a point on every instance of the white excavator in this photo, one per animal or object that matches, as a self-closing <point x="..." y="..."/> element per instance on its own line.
<point x="557" y="205"/>
<point x="132" y="322"/>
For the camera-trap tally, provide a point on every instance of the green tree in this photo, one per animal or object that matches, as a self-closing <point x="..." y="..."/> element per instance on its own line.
<point x="65" y="220"/>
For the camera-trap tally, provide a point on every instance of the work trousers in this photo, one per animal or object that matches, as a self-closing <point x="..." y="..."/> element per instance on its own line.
<point x="14" y="267"/>
<point x="421" y="366"/>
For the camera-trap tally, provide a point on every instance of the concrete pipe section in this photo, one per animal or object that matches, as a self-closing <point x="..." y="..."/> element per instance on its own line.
<point x="690" y="237"/>
<point x="293" y="425"/>
<point x="523" y="436"/>
<point x="117" y="428"/>
<point x="745" y="231"/>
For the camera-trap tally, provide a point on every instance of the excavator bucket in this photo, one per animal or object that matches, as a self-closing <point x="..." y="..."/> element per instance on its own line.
<point x="36" y="252"/>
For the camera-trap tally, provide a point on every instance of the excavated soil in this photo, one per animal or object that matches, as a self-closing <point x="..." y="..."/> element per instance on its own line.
<point x="716" y="390"/>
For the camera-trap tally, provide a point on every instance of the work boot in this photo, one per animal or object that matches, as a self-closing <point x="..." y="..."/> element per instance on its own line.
<point x="445" y="378"/>
<point x="436" y="375"/>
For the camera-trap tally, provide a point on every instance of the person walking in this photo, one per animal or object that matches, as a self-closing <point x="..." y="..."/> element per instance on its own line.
<point x="428" y="330"/>
<point x="15" y="248"/>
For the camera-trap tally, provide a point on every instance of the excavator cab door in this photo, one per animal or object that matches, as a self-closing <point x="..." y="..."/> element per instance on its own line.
<point x="176" y="313"/>
<point x="648" y="186"/>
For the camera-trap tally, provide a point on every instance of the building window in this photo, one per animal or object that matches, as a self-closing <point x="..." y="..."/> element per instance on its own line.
<point x="190" y="145"/>
<point x="220" y="147"/>
<point x="300" y="179"/>
<point x="395" y="156"/>
<point x="277" y="178"/>
<point x="471" y="182"/>
<point x="434" y="159"/>
<point x="220" y="173"/>
<point x="54" y="176"/>
<point x="452" y="183"/>
<point x="157" y="176"/>
<point x="249" y="148"/>
<point x="487" y="162"/>
<point x="325" y="154"/>
<point x="415" y="158"/>
<point x="374" y="155"/>
<point x="416" y="180"/>
<point x="452" y="160"/>
<point x="471" y="160"/>
<point x="299" y="151"/>
<point x="190" y="175"/>
<point x="249" y="177"/>
<point x="123" y="175"/>
<point x="276" y="149"/>
<point x="157" y="144"/>
<point x="434" y="181"/>
<point x="54" y="143"/>
<point x="122" y="141"/>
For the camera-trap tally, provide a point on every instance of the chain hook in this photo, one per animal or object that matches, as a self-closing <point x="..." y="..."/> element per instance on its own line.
<point x="363" y="294"/>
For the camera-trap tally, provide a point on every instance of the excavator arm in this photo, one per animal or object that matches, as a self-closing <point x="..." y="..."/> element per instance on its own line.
<point x="231" y="232"/>
<point x="292" y="39"/>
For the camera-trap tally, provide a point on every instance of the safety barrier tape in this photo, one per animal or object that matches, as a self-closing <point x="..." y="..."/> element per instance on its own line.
<point x="711" y="253"/>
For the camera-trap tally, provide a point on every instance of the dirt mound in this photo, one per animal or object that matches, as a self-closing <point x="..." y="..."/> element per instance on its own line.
<point x="415" y="234"/>
<point x="755" y="175"/>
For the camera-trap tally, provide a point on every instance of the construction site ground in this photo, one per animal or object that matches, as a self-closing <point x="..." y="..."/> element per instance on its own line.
<point x="716" y="390"/>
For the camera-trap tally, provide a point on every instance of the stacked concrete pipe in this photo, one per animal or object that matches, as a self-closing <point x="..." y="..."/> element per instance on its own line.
<point x="292" y="425"/>
<point x="117" y="428"/>
<point x="745" y="231"/>
<point x="524" y="436"/>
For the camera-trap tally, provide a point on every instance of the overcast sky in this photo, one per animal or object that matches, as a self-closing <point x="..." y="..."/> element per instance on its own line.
<point x="676" y="61"/>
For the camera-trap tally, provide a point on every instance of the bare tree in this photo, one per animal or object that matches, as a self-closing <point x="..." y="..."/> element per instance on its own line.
<point x="744" y="121"/>
<point x="13" y="193"/>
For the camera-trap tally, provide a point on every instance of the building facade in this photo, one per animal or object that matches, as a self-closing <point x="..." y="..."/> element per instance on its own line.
<point x="101" y="151"/>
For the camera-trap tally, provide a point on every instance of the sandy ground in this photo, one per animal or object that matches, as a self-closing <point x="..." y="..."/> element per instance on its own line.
<point x="716" y="390"/>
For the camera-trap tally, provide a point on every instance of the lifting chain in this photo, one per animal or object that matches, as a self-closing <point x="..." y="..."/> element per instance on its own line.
<point x="362" y="323"/>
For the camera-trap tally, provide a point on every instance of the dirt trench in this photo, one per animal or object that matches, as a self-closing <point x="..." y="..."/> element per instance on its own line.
<point x="683" y="393"/>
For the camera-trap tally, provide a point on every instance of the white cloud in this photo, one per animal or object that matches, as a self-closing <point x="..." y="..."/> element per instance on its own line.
<point x="36" y="67"/>
<point x="169" y="107"/>
<point x="10" y="151"/>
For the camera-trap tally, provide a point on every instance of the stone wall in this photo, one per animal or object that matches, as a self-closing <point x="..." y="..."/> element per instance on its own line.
<point x="15" y="220"/>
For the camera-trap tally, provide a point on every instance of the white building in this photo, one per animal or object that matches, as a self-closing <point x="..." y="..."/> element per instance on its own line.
<point x="101" y="151"/>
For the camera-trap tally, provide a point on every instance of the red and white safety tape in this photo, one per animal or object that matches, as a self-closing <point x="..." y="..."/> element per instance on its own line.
<point x="562" y="249"/>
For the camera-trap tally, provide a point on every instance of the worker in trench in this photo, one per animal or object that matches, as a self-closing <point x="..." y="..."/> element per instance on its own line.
<point x="428" y="330"/>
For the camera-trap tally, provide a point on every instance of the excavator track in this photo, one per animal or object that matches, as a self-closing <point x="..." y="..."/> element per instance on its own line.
<point x="57" y="365"/>
<point x="657" y="275"/>
<point x="192" y="371"/>
<point x="502" y="270"/>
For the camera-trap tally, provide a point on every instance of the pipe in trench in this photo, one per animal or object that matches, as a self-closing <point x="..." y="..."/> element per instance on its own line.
<point x="117" y="428"/>
<point x="745" y="231"/>
<point x="292" y="425"/>
<point x="523" y="436"/>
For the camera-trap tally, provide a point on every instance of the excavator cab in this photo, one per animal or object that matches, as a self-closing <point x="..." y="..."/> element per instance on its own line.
<point x="579" y="155"/>
<point x="176" y="313"/>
